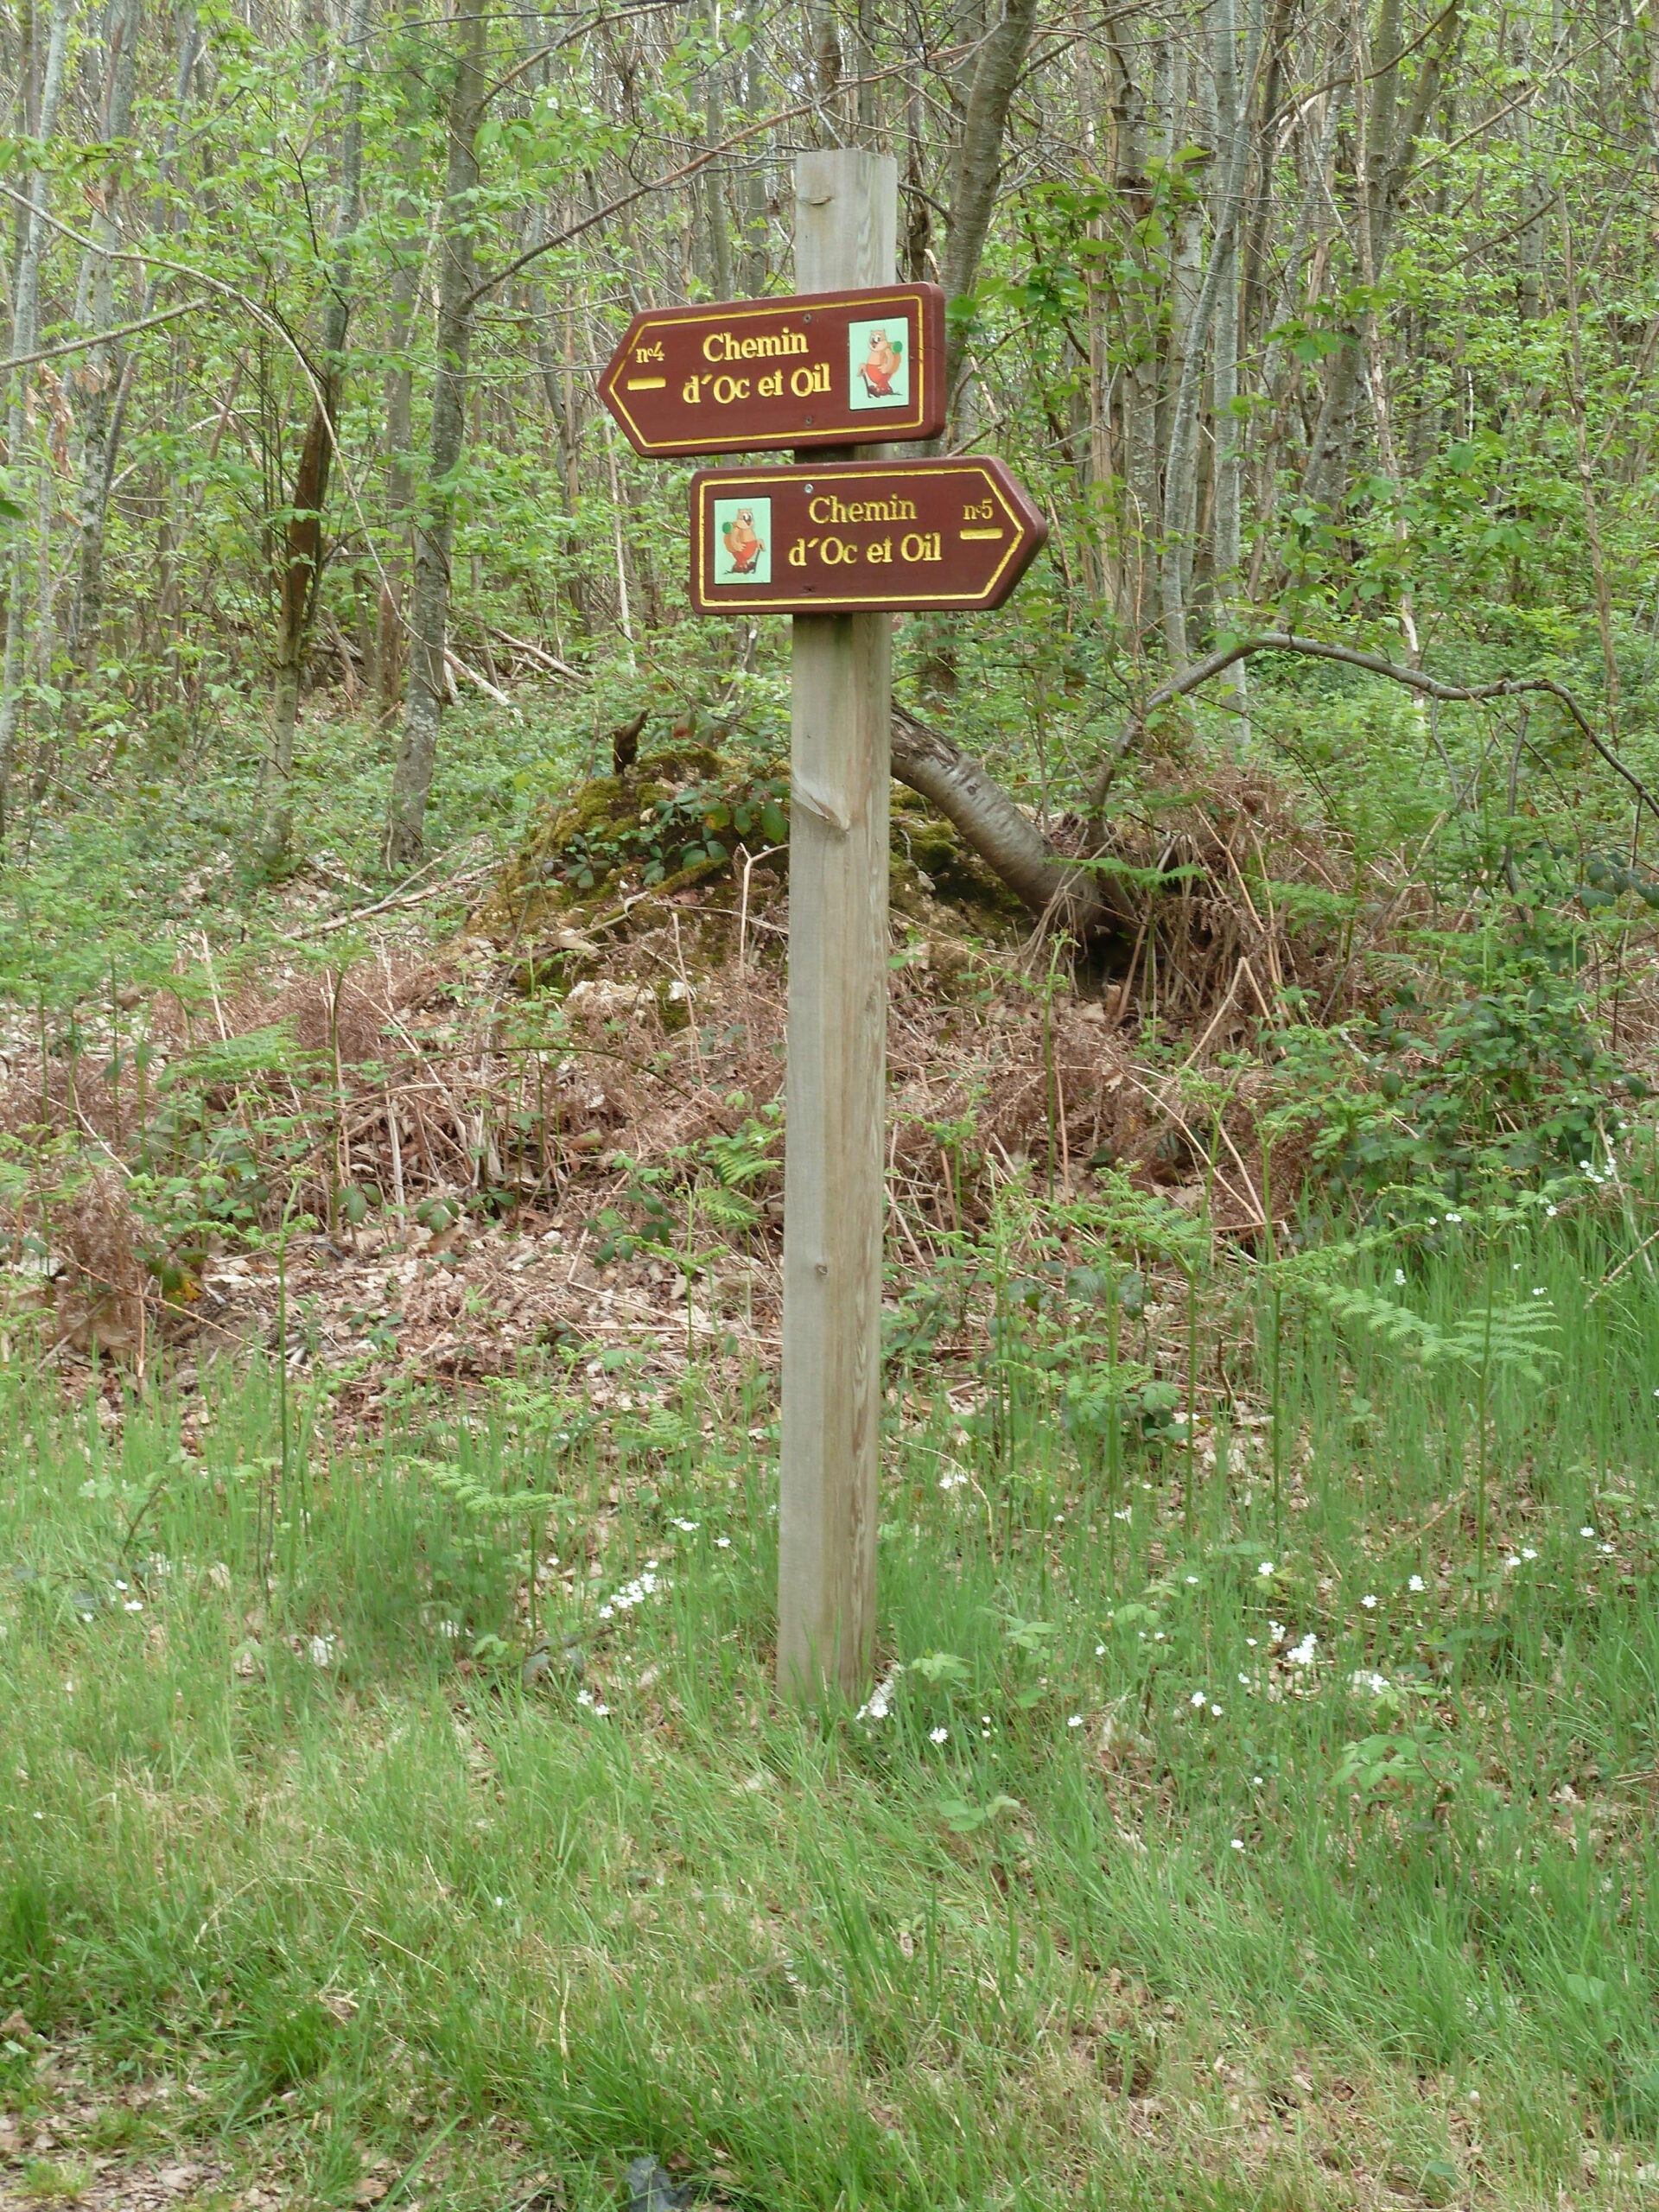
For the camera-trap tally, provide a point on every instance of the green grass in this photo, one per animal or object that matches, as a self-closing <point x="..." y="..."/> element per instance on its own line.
<point x="1101" y="1944"/>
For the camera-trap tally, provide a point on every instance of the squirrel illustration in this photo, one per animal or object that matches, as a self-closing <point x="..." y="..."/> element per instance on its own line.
<point x="882" y="365"/>
<point x="743" y="548"/>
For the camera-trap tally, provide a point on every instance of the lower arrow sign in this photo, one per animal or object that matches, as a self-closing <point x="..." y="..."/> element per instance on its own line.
<point x="860" y="537"/>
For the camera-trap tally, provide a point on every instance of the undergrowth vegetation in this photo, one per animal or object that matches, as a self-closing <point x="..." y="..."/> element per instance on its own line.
<point x="1253" y="1804"/>
<point x="1250" y="1802"/>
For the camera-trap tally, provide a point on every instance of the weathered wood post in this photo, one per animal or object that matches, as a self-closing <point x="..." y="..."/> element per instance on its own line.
<point x="846" y="226"/>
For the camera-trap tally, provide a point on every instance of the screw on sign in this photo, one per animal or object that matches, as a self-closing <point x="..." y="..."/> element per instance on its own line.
<point x="846" y="537"/>
<point x="824" y="369"/>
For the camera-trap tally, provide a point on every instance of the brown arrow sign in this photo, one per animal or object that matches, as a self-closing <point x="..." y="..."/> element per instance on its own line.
<point x="846" y="536"/>
<point x="825" y="368"/>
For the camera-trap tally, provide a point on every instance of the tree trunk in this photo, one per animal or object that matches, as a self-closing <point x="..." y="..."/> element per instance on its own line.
<point x="97" y="379"/>
<point x="411" y="779"/>
<point x="712" y="183"/>
<point x="1078" y="900"/>
<point x="754" y="185"/>
<point x="408" y="254"/>
<point x="978" y="169"/>
<point x="1180" y="477"/>
<point x="1390" y="151"/>
<point x="1233" y="121"/>
<point x="25" y="323"/>
<point x="302" y="536"/>
<point x="1137" y="305"/>
<point x="92" y="550"/>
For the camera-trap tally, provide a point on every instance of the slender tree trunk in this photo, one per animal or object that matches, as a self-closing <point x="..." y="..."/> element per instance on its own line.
<point x="754" y="186"/>
<point x="1180" y="477"/>
<point x="411" y="781"/>
<point x="92" y="613"/>
<point x="302" y="535"/>
<point x="1139" y="338"/>
<point x="24" y="327"/>
<point x="1232" y="118"/>
<point x="400" y="397"/>
<point x="1390" y="147"/>
<point x="98" y="379"/>
<point x="713" y="179"/>
<point x="979" y="168"/>
<point x="557" y="391"/>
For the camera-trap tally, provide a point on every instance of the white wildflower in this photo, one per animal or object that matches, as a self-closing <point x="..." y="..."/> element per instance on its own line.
<point x="1417" y="1583"/>
<point x="1237" y="1843"/>
<point x="1369" y="1601"/>
<point x="1400" y="1277"/>
<point x="938" y="1735"/>
<point x="1301" y="1655"/>
<point x="1198" y="1697"/>
<point x="1366" y="1679"/>
<point x="1076" y="1720"/>
<point x="1266" y="1567"/>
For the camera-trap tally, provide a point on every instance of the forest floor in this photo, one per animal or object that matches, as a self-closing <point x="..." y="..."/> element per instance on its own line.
<point x="1254" y="1807"/>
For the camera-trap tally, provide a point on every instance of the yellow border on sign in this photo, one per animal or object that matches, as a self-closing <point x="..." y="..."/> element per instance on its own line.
<point x="757" y="479"/>
<point x="670" y="319"/>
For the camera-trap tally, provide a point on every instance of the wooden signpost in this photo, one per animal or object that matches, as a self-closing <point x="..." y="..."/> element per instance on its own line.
<point x="864" y="535"/>
<point x="823" y="369"/>
<point x="854" y="359"/>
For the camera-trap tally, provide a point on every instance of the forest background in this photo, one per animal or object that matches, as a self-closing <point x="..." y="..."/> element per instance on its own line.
<point x="1252" y="1803"/>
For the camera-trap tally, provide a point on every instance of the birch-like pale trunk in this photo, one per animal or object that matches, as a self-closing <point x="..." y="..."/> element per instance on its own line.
<point x="24" y="328"/>
<point x="412" y="781"/>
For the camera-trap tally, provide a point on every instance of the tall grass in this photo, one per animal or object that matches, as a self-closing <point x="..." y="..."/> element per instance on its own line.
<point x="1224" y="1853"/>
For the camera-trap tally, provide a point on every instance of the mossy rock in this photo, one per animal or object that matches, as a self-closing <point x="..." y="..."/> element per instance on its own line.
<point x="935" y="876"/>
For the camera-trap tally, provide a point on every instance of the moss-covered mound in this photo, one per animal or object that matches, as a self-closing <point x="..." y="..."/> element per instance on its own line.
<point x="679" y="817"/>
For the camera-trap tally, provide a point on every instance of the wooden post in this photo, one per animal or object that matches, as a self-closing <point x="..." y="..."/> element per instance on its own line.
<point x="846" y="228"/>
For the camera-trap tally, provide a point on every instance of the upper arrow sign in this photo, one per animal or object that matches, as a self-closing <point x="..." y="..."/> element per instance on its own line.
<point x="825" y="368"/>
<point x="848" y="536"/>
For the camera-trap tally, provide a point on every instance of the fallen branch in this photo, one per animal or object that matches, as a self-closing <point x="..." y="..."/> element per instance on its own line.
<point x="539" y="654"/>
<point x="490" y="691"/>
<point x="387" y="906"/>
